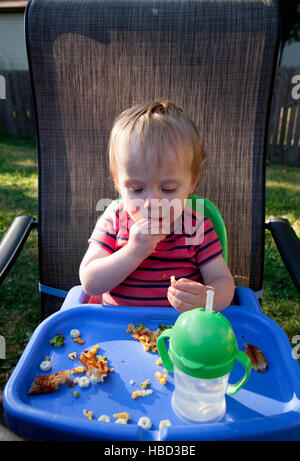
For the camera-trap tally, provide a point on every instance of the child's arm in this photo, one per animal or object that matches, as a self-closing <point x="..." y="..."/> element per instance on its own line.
<point x="101" y="271"/>
<point x="218" y="276"/>
<point x="187" y="294"/>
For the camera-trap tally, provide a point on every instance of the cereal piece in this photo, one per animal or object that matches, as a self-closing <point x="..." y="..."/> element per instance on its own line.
<point x="159" y="361"/>
<point x="104" y="419"/>
<point x="76" y="394"/>
<point x="131" y="381"/>
<point x="173" y="279"/>
<point x="74" y="333"/>
<point x="45" y="365"/>
<point x="123" y="415"/>
<point x="164" y="423"/>
<point x="141" y="393"/>
<point x="84" y="381"/>
<point x="145" y="422"/>
<point x="72" y="355"/>
<point x="161" y="378"/>
<point x="88" y="415"/>
<point x="78" y="340"/>
<point x="79" y="369"/>
<point x="146" y="384"/>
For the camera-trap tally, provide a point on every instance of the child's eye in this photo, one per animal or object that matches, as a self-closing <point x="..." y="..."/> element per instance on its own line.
<point x="132" y="189"/>
<point x="169" y="190"/>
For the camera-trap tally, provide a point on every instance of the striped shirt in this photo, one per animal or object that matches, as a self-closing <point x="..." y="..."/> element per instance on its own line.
<point x="181" y="254"/>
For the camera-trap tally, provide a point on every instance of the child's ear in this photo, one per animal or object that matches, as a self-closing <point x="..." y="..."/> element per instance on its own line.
<point x="116" y="185"/>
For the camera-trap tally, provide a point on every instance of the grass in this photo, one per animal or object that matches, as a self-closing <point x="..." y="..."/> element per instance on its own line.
<point x="19" y="296"/>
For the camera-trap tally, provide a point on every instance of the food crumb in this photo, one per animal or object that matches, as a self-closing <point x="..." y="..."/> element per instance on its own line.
<point x="78" y="340"/>
<point x="164" y="423"/>
<point x="104" y="418"/>
<point x="121" y="421"/>
<point x="123" y="415"/>
<point x="88" y="414"/>
<point x="79" y="369"/>
<point x="141" y="393"/>
<point x="161" y="378"/>
<point x="146" y="384"/>
<point x="72" y="355"/>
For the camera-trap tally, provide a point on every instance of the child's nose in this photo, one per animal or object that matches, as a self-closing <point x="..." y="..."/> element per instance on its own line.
<point x="153" y="206"/>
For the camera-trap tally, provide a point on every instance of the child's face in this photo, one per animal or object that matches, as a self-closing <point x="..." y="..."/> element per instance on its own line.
<point x="155" y="193"/>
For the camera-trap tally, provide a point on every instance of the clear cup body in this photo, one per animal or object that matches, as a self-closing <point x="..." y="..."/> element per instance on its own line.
<point x="196" y="400"/>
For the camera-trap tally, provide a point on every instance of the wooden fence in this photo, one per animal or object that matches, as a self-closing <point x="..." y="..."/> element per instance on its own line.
<point x="17" y="118"/>
<point x="284" y="125"/>
<point x="16" y="114"/>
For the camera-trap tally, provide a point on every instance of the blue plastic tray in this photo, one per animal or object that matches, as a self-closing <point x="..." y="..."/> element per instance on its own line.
<point x="267" y="408"/>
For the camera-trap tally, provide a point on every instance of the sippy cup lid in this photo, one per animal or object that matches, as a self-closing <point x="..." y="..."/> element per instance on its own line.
<point x="202" y="344"/>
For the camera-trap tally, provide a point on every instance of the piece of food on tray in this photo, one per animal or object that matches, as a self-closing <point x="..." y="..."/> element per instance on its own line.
<point x="58" y="340"/>
<point x="74" y="333"/>
<point x="49" y="383"/>
<point x="173" y="278"/>
<point x="79" y="369"/>
<point x="45" y="365"/>
<point x="121" y="421"/>
<point x="72" y="355"/>
<point x="78" y="340"/>
<point x="161" y="378"/>
<point x="257" y="358"/>
<point x="88" y="414"/>
<point x="96" y="366"/>
<point x="147" y="337"/>
<point x="83" y="382"/>
<point x="141" y="393"/>
<point x="164" y="423"/>
<point x="104" y="419"/>
<point x="146" y="383"/>
<point x="145" y="422"/>
<point x="123" y="415"/>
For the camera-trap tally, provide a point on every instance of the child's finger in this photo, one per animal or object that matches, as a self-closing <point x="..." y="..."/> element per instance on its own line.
<point x="183" y="296"/>
<point x="179" y="305"/>
<point x="189" y="287"/>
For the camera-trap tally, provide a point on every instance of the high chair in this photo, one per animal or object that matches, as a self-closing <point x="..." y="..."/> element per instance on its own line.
<point x="88" y="61"/>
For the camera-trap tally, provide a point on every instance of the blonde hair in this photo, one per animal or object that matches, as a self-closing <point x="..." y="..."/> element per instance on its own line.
<point x="150" y="129"/>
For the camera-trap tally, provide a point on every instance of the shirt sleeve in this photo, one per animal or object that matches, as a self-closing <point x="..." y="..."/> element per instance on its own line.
<point x="210" y="247"/>
<point x="105" y="231"/>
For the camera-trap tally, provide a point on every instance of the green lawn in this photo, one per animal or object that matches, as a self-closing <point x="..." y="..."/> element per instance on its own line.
<point x="19" y="296"/>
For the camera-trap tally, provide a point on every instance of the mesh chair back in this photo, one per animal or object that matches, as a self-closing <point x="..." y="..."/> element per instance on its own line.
<point x="90" y="59"/>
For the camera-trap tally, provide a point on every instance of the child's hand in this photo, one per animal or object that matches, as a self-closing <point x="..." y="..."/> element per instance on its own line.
<point x="141" y="241"/>
<point x="186" y="294"/>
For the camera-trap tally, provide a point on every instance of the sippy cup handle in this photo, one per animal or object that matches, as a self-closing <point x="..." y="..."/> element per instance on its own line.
<point x="161" y="347"/>
<point x="246" y="362"/>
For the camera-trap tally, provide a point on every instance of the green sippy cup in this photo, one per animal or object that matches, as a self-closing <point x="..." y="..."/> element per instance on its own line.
<point x="203" y="350"/>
